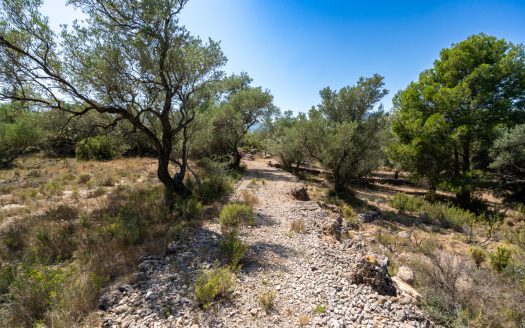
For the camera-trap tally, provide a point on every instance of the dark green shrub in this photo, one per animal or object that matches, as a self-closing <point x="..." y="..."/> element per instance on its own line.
<point x="17" y="137"/>
<point x="54" y="242"/>
<point x="217" y="179"/>
<point x="500" y="259"/>
<point x="407" y="203"/>
<point x="14" y="239"/>
<point x="213" y="284"/>
<point x="128" y="230"/>
<point x="99" y="148"/>
<point x="7" y="276"/>
<point x="188" y="209"/>
<point x="234" y="249"/>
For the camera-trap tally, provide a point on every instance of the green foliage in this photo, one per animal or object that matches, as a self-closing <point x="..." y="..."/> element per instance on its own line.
<point x="508" y="154"/>
<point x="344" y="134"/>
<point x="234" y="249"/>
<point x="188" y="209"/>
<point x="286" y="141"/>
<point x="320" y="308"/>
<point x="217" y="179"/>
<point x="406" y="203"/>
<point x="447" y="216"/>
<point x="477" y="255"/>
<point x="51" y="295"/>
<point x="54" y="242"/>
<point x="213" y="284"/>
<point x="241" y="109"/>
<point x="7" y="276"/>
<point x="445" y="123"/>
<point x="234" y="215"/>
<point x="18" y="133"/>
<point x="98" y="148"/>
<point x="33" y="292"/>
<point x="501" y="259"/>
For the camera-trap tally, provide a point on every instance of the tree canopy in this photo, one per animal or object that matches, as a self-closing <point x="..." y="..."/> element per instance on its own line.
<point x="446" y="121"/>
<point x="131" y="60"/>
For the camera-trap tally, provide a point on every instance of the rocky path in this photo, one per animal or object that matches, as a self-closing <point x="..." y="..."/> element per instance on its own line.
<point x="310" y="273"/>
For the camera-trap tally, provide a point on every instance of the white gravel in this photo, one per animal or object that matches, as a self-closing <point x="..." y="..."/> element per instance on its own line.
<point x="307" y="271"/>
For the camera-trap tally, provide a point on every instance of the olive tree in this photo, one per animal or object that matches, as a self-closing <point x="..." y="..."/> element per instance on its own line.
<point x="345" y="133"/>
<point x="129" y="59"/>
<point x="241" y="108"/>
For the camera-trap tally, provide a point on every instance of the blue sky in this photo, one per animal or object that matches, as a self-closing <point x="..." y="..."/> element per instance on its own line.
<point x="295" y="48"/>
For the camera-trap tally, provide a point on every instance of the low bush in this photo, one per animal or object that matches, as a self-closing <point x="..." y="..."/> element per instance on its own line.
<point x="54" y="243"/>
<point x="477" y="255"/>
<point x="438" y="213"/>
<point x="61" y="212"/>
<point x="234" y="249"/>
<point x="455" y="295"/>
<point x="217" y="179"/>
<point x="84" y="178"/>
<point x="98" y="148"/>
<point x="7" y="276"/>
<point x="51" y="296"/>
<point x="13" y="240"/>
<point x="501" y="259"/>
<point x="188" y="209"/>
<point x="234" y="215"/>
<point x="17" y="137"/>
<point x="33" y="291"/>
<point x="214" y="284"/>
<point x="406" y="203"/>
<point x="437" y="281"/>
<point x="267" y="300"/>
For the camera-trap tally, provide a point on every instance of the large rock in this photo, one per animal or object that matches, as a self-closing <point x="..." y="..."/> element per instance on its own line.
<point x="406" y="289"/>
<point x="108" y="299"/>
<point x="332" y="226"/>
<point x="368" y="217"/>
<point x="300" y="194"/>
<point x="406" y="274"/>
<point x="373" y="271"/>
<point x="330" y="207"/>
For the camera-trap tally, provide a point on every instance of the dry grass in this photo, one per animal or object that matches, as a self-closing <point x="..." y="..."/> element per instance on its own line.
<point x="303" y="320"/>
<point x="298" y="226"/>
<point x="89" y="223"/>
<point x="249" y="198"/>
<point x="268" y="300"/>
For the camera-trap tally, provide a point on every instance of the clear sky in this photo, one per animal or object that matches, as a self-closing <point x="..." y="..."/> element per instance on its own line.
<point x="295" y="48"/>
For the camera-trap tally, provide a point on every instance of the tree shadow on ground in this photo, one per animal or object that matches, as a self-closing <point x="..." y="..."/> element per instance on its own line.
<point x="263" y="220"/>
<point x="261" y="254"/>
<point x="196" y="249"/>
<point x="270" y="175"/>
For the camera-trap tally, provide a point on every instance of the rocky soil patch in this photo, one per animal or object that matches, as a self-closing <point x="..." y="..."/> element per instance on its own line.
<point x="312" y="274"/>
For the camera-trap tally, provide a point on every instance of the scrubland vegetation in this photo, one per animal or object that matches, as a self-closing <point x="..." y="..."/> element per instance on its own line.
<point x="127" y="135"/>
